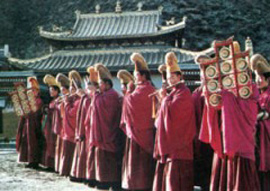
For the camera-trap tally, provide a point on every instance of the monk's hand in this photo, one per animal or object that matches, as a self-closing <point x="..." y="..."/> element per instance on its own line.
<point x="262" y="115"/>
<point x="162" y="93"/>
<point x="77" y="138"/>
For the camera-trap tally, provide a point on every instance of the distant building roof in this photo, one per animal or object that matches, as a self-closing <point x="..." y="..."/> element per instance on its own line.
<point x="114" y="59"/>
<point x="114" y="25"/>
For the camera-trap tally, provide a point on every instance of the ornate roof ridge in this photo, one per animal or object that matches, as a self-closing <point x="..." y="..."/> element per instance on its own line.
<point x="124" y="13"/>
<point x="57" y="36"/>
<point x="32" y="60"/>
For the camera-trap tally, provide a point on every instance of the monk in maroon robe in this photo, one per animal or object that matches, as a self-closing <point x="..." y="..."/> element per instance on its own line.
<point x="71" y="105"/>
<point x="203" y="152"/>
<point x="81" y="136"/>
<point x="138" y="125"/>
<point x="49" y="116"/>
<point x="64" y="83"/>
<point x="29" y="135"/>
<point x="175" y="133"/>
<point x="262" y="71"/>
<point x="103" y="119"/>
<point x="230" y="131"/>
<point x="57" y="129"/>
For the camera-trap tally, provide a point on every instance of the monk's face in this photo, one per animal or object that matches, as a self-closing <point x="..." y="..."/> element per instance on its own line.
<point x="64" y="90"/>
<point x="91" y="89"/>
<point x="72" y="90"/>
<point x="261" y="81"/>
<point x="124" y="89"/>
<point x="53" y="92"/>
<point x="102" y="86"/>
<point x="173" y="78"/>
<point x="138" y="77"/>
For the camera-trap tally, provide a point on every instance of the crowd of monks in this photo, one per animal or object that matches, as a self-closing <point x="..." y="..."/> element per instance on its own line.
<point x="147" y="139"/>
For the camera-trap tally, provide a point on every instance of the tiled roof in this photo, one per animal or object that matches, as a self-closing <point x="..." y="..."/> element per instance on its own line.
<point x="96" y="26"/>
<point x="114" y="59"/>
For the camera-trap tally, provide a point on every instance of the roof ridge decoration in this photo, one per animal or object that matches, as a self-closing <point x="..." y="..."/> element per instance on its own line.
<point x="140" y="5"/>
<point x="173" y="26"/>
<point x="118" y="8"/>
<point x="97" y="7"/>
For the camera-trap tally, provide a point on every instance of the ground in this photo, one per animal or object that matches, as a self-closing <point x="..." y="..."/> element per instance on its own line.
<point x="15" y="177"/>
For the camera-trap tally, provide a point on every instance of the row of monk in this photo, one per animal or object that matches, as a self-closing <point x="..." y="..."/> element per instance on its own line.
<point x="167" y="142"/>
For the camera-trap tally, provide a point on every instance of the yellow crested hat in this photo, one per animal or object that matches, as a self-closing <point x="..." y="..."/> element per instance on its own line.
<point x="259" y="64"/>
<point x="93" y="75"/>
<point x="139" y="61"/>
<point x="171" y="63"/>
<point x="75" y="77"/>
<point x="124" y="76"/>
<point x="50" y="80"/>
<point x="102" y="71"/>
<point x="62" y="80"/>
<point x="32" y="81"/>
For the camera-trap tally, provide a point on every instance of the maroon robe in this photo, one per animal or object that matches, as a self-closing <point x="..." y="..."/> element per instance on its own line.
<point x="174" y="141"/>
<point x="138" y="125"/>
<point x="29" y="137"/>
<point x="230" y="132"/>
<point x="50" y="136"/>
<point x="203" y="152"/>
<point x="69" y="125"/>
<point x="58" y="130"/>
<point x="264" y="141"/>
<point x="80" y="154"/>
<point x="103" y="120"/>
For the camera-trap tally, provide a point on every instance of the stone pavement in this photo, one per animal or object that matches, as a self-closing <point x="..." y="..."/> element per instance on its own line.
<point x="15" y="177"/>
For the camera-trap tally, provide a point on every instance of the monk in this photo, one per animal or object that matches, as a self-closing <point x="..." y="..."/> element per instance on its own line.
<point x="71" y="104"/>
<point x="203" y="152"/>
<point x="64" y="83"/>
<point x="230" y="131"/>
<point x="125" y="77"/>
<point x="51" y="111"/>
<point x="175" y="132"/>
<point x="104" y="117"/>
<point x="262" y="71"/>
<point x="138" y="126"/>
<point x="29" y="135"/>
<point x="79" y="169"/>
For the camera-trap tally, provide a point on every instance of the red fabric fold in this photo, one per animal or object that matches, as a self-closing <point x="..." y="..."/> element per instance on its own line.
<point x="264" y="125"/>
<point x="69" y="118"/>
<point x="176" y="125"/>
<point x="49" y="135"/>
<point x="136" y="120"/>
<point x="235" y="134"/>
<point x="104" y="117"/>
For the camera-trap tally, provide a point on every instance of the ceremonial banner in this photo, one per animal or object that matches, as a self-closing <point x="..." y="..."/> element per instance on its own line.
<point x="24" y="101"/>
<point x="229" y="69"/>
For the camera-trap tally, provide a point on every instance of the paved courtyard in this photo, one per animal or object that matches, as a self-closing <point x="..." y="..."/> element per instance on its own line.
<point x="15" y="177"/>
